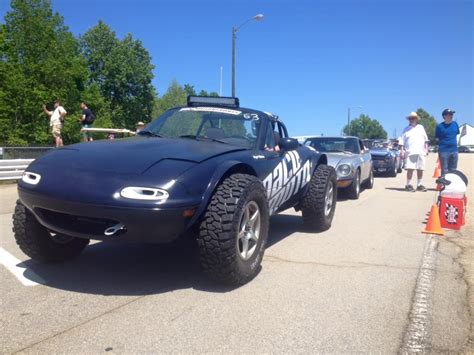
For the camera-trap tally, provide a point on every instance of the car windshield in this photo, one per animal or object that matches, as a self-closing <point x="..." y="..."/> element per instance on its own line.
<point x="223" y="125"/>
<point x="335" y="145"/>
<point x="369" y="143"/>
<point x="381" y="145"/>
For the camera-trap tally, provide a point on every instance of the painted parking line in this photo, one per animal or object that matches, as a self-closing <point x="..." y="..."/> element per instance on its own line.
<point x="13" y="265"/>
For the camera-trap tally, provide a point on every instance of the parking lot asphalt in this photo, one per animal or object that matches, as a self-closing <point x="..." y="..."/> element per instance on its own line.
<point x="351" y="288"/>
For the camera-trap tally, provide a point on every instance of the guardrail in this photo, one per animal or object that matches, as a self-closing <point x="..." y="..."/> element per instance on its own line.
<point x="23" y="152"/>
<point x="12" y="169"/>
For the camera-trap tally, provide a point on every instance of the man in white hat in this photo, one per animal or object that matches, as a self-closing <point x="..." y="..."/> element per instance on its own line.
<point x="414" y="142"/>
<point x="139" y="127"/>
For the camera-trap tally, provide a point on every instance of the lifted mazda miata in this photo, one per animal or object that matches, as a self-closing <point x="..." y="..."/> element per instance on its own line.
<point x="210" y="169"/>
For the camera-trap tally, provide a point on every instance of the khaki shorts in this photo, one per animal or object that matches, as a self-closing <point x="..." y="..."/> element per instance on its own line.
<point x="56" y="130"/>
<point x="415" y="162"/>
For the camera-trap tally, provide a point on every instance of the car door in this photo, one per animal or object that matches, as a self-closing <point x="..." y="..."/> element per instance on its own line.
<point x="274" y="178"/>
<point x="286" y="176"/>
<point x="366" y="165"/>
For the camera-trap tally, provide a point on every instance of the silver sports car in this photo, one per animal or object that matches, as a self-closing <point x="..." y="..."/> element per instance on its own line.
<point x="352" y="161"/>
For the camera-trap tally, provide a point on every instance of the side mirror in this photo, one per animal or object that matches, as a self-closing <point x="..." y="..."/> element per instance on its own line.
<point x="288" y="144"/>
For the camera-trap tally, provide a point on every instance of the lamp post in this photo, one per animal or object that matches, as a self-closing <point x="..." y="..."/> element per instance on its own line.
<point x="349" y="119"/>
<point x="234" y="36"/>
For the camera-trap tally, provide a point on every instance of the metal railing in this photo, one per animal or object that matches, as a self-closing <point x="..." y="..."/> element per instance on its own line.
<point x="14" y="160"/>
<point x="12" y="169"/>
<point x="22" y="152"/>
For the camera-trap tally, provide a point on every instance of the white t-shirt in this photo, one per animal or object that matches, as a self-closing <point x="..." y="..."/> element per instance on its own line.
<point x="55" y="117"/>
<point x="413" y="139"/>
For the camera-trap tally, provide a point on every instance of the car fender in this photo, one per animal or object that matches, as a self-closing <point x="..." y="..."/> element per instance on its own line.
<point x="222" y="171"/>
<point x="317" y="160"/>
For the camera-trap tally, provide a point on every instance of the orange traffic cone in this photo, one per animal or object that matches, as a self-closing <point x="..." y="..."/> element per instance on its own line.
<point x="437" y="171"/>
<point x="433" y="226"/>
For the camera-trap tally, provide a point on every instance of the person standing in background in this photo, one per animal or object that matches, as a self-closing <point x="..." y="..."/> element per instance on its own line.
<point x="86" y="120"/>
<point x="139" y="127"/>
<point x="56" y="121"/>
<point x="447" y="132"/>
<point x="414" y="142"/>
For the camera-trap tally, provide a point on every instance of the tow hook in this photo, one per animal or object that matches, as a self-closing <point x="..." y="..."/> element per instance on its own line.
<point x="114" y="229"/>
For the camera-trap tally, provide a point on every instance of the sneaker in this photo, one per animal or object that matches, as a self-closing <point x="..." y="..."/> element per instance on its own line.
<point x="421" y="188"/>
<point x="409" y="188"/>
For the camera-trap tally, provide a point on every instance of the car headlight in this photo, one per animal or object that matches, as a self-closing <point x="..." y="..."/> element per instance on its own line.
<point x="388" y="157"/>
<point x="144" y="193"/>
<point x="31" y="178"/>
<point x="344" y="170"/>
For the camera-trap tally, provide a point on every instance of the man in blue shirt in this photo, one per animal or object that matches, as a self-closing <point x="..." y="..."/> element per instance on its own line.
<point x="447" y="132"/>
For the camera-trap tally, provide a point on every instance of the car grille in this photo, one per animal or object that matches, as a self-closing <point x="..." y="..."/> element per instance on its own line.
<point x="378" y="157"/>
<point x="78" y="224"/>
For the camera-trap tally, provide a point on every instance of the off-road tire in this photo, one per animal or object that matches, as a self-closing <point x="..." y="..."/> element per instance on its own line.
<point x="218" y="232"/>
<point x="313" y="204"/>
<point x="353" y="191"/>
<point x="369" y="183"/>
<point x="36" y="241"/>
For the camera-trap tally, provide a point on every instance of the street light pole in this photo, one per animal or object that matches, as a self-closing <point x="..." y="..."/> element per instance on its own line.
<point x="220" y="83"/>
<point x="234" y="36"/>
<point x="234" y="31"/>
<point x="348" y="121"/>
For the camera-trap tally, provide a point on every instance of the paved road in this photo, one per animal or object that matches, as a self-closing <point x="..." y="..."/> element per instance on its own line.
<point x="356" y="287"/>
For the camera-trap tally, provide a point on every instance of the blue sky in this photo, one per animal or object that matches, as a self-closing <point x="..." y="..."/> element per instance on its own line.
<point x="307" y="61"/>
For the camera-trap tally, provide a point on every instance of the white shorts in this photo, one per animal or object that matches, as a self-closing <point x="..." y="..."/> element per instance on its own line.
<point x="415" y="162"/>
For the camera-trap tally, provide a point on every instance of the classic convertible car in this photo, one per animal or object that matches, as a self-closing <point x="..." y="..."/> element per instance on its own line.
<point x="386" y="158"/>
<point x="352" y="161"/>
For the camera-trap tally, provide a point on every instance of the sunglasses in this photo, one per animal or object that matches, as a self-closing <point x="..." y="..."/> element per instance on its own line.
<point x="412" y="118"/>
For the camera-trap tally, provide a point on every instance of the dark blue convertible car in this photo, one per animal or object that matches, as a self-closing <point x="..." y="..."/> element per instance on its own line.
<point x="386" y="158"/>
<point x="211" y="170"/>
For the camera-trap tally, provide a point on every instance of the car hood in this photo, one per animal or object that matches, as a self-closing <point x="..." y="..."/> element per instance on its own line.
<point x="335" y="158"/>
<point x="131" y="156"/>
<point x="380" y="152"/>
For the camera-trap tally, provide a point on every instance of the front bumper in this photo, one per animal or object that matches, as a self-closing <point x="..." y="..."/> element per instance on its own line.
<point x="152" y="224"/>
<point x="344" y="183"/>
<point x="382" y="166"/>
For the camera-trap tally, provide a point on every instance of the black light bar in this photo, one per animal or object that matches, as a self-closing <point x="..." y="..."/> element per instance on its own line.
<point x="213" y="101"/>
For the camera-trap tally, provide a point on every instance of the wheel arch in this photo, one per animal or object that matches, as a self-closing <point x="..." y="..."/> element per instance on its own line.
<point x="323" y="159"/>
<point x="222" y="172"/>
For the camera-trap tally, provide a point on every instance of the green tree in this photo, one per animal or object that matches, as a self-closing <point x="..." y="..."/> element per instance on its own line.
<point x="428" y="122"/>
<point x="175" y="95"/>
<point x="122" y="70"/>
<point x="189" y="89"/>
<point x="365" y="128"/>
<point x="40" y="62"/>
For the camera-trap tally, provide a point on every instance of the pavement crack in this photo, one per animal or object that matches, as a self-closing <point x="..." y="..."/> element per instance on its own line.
<point x="29" y="346"/>
<point x="185" y="311"/>
<point x="346" y="265"/>
<point x="418" y="331"/>
<point x="462" y="259"/>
